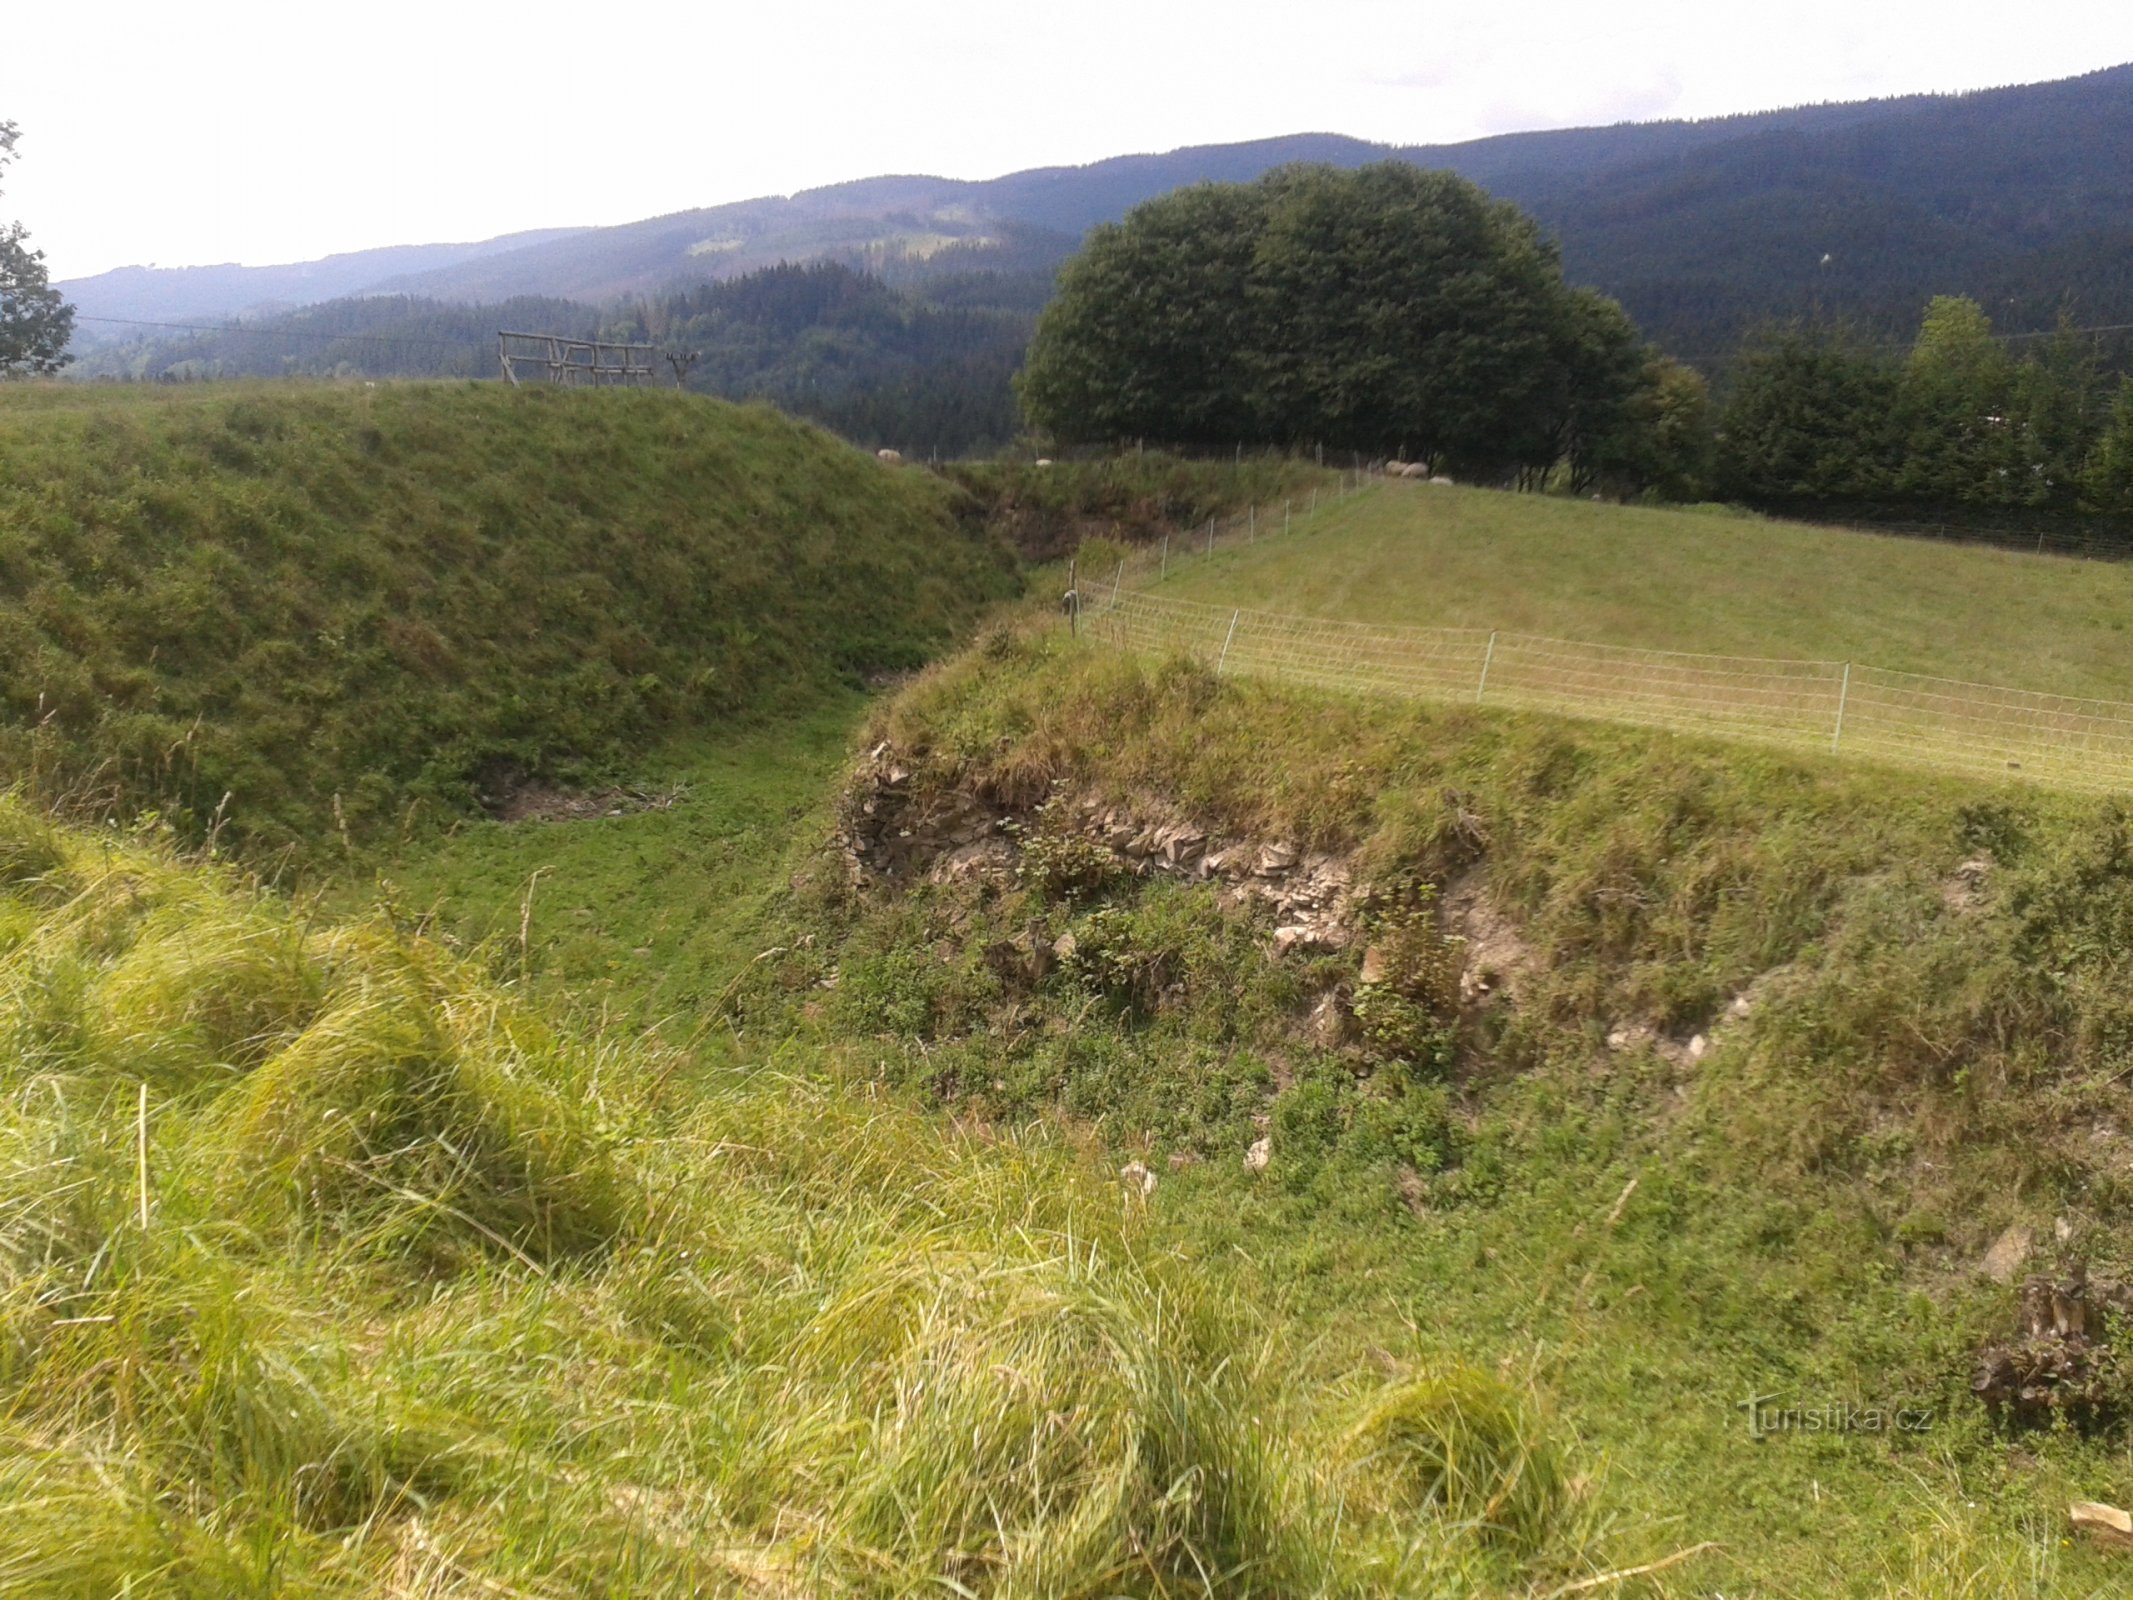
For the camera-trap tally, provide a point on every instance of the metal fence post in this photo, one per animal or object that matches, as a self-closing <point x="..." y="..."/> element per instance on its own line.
<point x="1166" y="556"/>
<point x="1251" y="523"/>
<point x="1487" y="656"/>
<point x="1288" y="508"/>
<point x="1224" y="656"/>
<point x="1210" y="535"/>
<point x="1844" y="693"/>
<point x="1073" y="597"/>
<point x="1117" y="579"/>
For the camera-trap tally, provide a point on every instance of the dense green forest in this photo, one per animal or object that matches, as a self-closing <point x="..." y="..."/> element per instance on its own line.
<point x="1963" y="422"/>
<point x="880" y="365"/>
<point x="927" y="373"/>
<point x="384" y="336"/>
<point x="2019" y="198"/>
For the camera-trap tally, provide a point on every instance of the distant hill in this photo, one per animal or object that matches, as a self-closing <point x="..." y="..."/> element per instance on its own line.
<point x="159" y="293"/>
<point x="2022" y="197"/>
<point x="882" y="364"/>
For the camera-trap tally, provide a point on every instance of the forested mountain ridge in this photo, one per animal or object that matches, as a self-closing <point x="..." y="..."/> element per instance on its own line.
<point x="879" y="363"/>
<point x="2021" y="197"/>
<point x="155" y="293"/>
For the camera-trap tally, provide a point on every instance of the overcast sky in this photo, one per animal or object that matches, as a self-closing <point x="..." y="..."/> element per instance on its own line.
<point x="275" y="130"/>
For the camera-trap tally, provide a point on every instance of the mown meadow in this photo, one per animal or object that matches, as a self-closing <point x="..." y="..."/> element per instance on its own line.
<point x="1700" y="579"/>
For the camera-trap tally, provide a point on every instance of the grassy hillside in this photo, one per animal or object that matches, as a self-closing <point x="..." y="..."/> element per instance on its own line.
<point x="334" y="605"/>
<point x="1774" y="1052"/>
<point x="1690" y="579"/>
<point x="329" y="1268"/>
<point x="568" y="1224"/>
<point x="1911" y="993"/>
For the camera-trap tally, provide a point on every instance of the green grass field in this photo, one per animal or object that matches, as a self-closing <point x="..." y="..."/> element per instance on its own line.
<point x="1691" y="580"/>
<point x="637" y="1205"/>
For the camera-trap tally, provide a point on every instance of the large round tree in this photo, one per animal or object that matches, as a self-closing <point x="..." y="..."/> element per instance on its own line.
<point x="1386" y="309"/>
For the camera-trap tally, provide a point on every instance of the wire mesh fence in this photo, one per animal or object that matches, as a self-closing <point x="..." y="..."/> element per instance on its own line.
<point x="1973" y="729"/>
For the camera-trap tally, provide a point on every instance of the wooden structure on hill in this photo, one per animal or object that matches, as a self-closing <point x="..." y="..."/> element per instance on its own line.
<point x="575" y="362"/>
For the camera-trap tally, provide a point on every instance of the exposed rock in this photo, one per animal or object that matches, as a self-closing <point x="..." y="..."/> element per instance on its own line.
<point x="1064" y="946"/>
<point x="1963" y="889"/>
<point x="1496" y="956"/>
<point x="987" y="858"/>
<point x="2059" y="1364"/>
<point x="1180" y="843"/>
<point x="1631" y="1036"/>
<point x="1375" y="964"/>
<point x="1274" y="859"/>
<point x="2008" y="1255"/>
<point x="2104" y="1525"/>
<point x="1261" y="1152"/>
<point x="1135" y="1175"/>
<point x="1023" y="962"/>
<point x="1741" y="1007"/>
<point x="1698" y="1046"/>
<point x="1332" y="1024"/>
<point x="898" y="826"/>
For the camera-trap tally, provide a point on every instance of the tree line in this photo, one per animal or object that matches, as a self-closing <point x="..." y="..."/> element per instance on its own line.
<point x="1391" y="312"/>
<point x="928" y="372"/>
<point x="1960" y="422"/>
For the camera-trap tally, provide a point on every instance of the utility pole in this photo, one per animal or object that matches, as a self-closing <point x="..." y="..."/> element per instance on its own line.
<point x="681" y="361"/>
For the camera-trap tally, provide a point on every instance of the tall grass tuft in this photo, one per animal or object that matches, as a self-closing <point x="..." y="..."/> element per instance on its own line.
<point x="1461" y="1446"/>
<point x="329" y="1267"/>
<point x="1045" y="1425"/>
